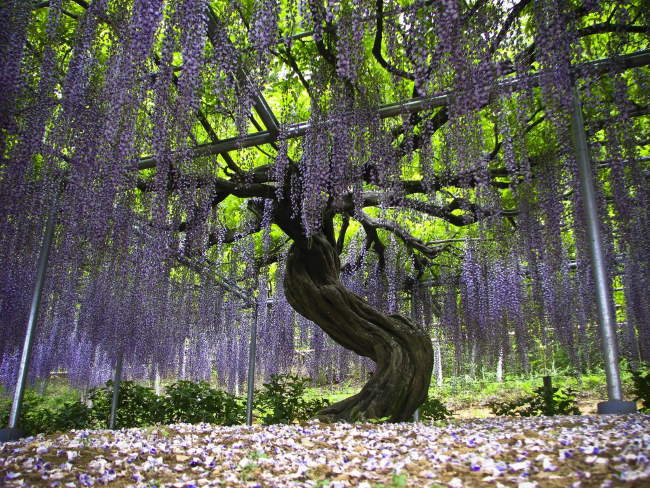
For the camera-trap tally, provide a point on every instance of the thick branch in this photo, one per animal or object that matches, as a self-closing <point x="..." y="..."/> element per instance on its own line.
<point x="222" y="187"/>
<point x="374" y="241"/>
<point x="371" y="224"/>
<point x="344" y="228"/>
<point x="376" y="47"/>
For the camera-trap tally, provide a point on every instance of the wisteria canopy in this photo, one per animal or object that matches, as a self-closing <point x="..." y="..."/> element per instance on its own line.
<point x="211" y="163"/>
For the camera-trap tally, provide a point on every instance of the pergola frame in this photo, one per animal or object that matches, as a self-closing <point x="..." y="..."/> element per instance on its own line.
<point x="412" y="105"/>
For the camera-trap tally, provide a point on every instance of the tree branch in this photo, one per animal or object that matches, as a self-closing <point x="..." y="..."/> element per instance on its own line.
<point x="220" y="280"/>
<point x="608" y="27"/>
<point x="289" y="58"/>
<point x="341" y="238"/>
<point x="514" y="13"/>
<point x="376" y="47"/>
<point x="373" y="240"/>
<point x="222" y="187"/>
<point x="371" y="225"/>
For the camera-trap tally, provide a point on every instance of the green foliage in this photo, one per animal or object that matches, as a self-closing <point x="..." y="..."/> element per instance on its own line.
<point x="5" y="408"/>
<point x="47" y="414"/>
<point x="198" y="402"/>
<point x="137" y="406"/>
<point x="378" y="420"/>
<point x="641" y="389"/>
<point x="541" y="402"/>
<point x="593" y="382"/>
<point x="460" y="392"/>
<point x="282" y="400"/>
<point x="433" y="409"/>
<point x="184" y="401"/>
<point x="69" y="415"/>
<point x="397" y="481"/>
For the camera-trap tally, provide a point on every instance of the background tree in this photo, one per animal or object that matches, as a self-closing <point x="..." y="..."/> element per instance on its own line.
<point x="151" y="125"/>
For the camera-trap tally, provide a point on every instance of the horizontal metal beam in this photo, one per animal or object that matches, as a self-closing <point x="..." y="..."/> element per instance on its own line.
<point x="617" y="64"/>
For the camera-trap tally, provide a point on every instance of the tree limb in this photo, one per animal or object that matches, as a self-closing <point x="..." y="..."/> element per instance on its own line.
<point x="371" y="225"/>
<point x="373" y="240"/>
<point x="514" y="13"/>
<point x="290" y="59"/>
<point x="376" y="47"/>
<point x="341" y="238"/>
<point x="608" y="27"/>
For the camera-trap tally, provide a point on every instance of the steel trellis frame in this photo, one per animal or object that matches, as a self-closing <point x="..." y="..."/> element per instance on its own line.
<point x="600" y="66"/>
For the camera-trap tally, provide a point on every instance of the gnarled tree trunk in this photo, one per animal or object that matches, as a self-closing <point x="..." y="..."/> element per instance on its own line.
<point x="401" y="350"/>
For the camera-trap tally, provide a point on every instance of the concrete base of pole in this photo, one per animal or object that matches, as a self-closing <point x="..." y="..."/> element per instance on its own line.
<point x="7" y="435"/>
<point x="619" y="407"/>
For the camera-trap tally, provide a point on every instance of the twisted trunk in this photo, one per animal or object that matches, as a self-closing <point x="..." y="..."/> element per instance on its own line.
<point x="401" y="350"/>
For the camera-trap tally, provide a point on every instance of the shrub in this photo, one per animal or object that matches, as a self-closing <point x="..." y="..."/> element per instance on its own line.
<point x="558" y="402"/>
<point x="641" y="389"/>
<point x="137" y="406"/>
<point x="281" y="400"/>
<point x="42" y="414"/>
<point x="433" y="409"/>
<point x="593" y="382"/>
<point x="198" y="402"/>
<point x="5" y="409"/>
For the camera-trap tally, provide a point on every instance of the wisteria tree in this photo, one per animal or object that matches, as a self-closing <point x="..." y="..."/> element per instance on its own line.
<point x="220" y="144"/>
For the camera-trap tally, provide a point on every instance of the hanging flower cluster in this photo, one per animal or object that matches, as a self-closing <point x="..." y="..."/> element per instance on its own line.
<point x="114" y="116"/>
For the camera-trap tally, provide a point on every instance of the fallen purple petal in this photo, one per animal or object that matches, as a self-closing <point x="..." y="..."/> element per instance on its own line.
<point x="502" y="451"/>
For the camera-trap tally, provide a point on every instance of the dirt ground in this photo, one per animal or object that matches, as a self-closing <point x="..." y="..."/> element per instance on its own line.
<point x="587" y="406"/>
<point x="577" y="451"/>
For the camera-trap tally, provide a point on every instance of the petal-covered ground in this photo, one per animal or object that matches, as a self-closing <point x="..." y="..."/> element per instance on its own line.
<point x="580" y="451"/>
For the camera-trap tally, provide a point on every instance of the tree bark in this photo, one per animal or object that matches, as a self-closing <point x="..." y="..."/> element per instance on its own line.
<point x="402" y="351"/>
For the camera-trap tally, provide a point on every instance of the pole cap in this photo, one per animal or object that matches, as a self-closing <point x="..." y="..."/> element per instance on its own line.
<point x="619" y="407"/>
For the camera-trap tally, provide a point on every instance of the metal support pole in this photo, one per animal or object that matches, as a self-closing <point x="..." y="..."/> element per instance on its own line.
<point x="12" y="432"/>
<point x="606" y="317"/>
<point x="252" y="352"/>
<point x="117" y="379"/>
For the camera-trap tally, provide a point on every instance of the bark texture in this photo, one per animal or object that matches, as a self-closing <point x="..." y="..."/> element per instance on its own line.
<point x="402" y="351"/>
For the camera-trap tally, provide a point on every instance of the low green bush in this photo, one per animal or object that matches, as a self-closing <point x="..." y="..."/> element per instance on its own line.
<point x="137" y="406"/>
<point x="555" y="402"/>
<point x="641" y="389"/>
<point x="190" y="402"/>
<point x="593" y="382"/>
<point x="184" y="401"/>
<point x="46" y="414"/>
<point x="5" y="408"/>
<point x="433" y="409"/>
<point x="282" y="401"/>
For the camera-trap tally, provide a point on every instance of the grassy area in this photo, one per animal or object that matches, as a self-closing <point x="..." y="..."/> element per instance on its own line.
<point x="466" y="397"/>
<point x="469" y="397"/>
